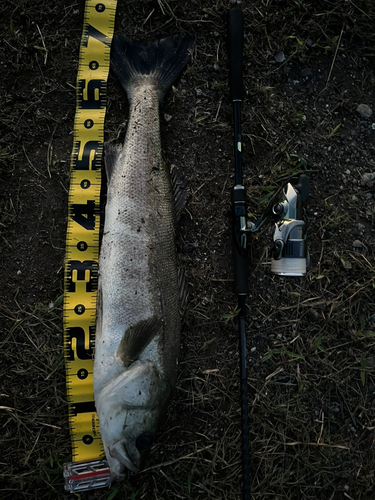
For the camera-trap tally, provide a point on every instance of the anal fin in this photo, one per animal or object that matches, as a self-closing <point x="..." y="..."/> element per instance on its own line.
<point x="184" y="290"/>
<point x="179" y="187"/>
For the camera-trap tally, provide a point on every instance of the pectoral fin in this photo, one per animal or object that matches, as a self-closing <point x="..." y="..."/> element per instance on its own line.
<point x="136" y="338"/>
<point x="184" y="290"/>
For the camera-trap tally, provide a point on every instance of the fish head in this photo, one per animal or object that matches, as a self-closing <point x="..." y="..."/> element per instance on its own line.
<point x="129" y="409"/>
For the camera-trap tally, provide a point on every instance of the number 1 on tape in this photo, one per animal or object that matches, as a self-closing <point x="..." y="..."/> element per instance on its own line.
<point x="88" y="469"/>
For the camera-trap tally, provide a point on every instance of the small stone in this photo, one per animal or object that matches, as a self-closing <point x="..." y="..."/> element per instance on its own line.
<point x="313" y="315"/>
<point x="280" y="57"/>
<point x="167" y="118"/>
<point x="19" y="272"/>
<point x="368" y="196"/>
<point x="347" y="265"/>
<point x="357" y="244"/>
<point x="364" y="110"/>
<point x="253" y="349"/>
<point x="368" y="177"/>
<point x="199" y="92"/>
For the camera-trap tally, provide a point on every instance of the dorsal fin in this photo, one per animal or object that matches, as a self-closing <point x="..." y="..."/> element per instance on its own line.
<point x="179" y="184"/>
<point x="136" y="338"/>
<point x="111" y="154"/>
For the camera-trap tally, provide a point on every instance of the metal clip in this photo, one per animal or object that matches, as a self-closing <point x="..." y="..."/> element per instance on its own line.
<point x="83" y="476"/>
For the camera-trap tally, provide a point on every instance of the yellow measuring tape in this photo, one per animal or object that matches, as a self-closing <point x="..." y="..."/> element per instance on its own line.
<point x="82" y="241"/>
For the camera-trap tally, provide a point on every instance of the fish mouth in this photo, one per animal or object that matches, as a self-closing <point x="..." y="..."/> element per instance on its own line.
<point x="120" y="452"/>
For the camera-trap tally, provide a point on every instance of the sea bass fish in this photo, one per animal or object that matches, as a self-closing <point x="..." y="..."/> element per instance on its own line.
<point x="138" y="312"/>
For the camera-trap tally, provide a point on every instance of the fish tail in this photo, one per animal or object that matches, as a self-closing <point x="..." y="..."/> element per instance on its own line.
<point x="161" y="62"/>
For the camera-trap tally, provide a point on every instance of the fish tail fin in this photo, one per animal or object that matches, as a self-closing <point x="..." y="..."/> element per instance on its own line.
<point x="160" y="62"/>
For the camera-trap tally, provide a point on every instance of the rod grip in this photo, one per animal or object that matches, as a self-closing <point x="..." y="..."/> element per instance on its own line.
<point x="235" y="31"/>
<point x="244" y="403"/>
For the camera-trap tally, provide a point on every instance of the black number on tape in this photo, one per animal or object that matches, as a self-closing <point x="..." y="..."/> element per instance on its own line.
<point x="90" y="155"/>
<point x="84" y="214"/>
<point x="93" y="97"/>
<point x="79" y="334"/>
<point x="85" y="407"/>
<point x="94" y="33"/>
<point x="77" y="272"/>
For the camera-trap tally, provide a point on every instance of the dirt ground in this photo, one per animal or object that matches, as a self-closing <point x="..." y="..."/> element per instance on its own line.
<point x="308" y="65"/>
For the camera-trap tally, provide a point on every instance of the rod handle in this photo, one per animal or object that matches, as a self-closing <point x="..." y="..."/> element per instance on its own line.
<point x="235" y="31"/>
<point x="244" y="403"/>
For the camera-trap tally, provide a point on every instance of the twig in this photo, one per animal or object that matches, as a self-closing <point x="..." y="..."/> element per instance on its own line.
<point x="178" y="459"/>
<point x="218" y="109"/>
<point x="334" y="57"/>
<point x="148" y="17"/>
<point x="32" y="166"/>
<point x="44" y="46"/>
<point x="49" y="148"/>
<point x="295" y="443"/>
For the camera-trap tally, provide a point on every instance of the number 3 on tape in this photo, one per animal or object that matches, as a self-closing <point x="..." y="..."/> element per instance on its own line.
<point x="88" y="469"/>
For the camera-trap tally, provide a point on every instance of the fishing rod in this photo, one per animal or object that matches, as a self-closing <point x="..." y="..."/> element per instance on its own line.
<point x="289" y="254"/>
<point x="235" y="36"/>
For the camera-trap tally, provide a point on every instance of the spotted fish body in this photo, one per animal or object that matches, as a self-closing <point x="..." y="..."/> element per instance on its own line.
<point x="138" y="323"/>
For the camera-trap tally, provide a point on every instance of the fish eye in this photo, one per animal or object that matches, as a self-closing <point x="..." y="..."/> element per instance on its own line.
<point x="144" y="441"/>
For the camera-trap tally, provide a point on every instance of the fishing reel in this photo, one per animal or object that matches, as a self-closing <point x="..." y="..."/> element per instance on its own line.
<point x="290" y="255"/>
